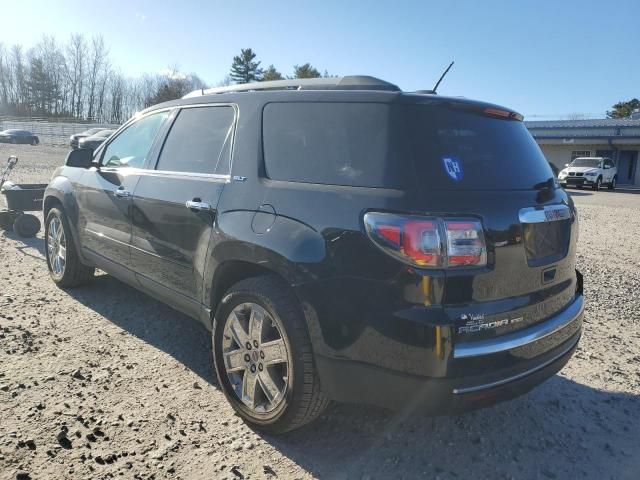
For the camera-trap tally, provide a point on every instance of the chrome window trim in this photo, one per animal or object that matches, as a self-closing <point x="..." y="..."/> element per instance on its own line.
<point x="523" y="337"/>
<point x="548" y="213"/>
<point x="485" y="386"/>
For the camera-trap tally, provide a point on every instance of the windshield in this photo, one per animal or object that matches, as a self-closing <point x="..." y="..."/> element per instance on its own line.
<point x="586" y="162"/>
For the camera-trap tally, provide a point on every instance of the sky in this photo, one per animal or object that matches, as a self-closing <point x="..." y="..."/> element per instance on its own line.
<point x="544" y="58"/>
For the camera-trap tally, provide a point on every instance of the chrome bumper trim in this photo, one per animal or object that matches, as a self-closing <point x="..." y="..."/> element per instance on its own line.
<point x="522" y="337"/>
<point x="504" y="381"/>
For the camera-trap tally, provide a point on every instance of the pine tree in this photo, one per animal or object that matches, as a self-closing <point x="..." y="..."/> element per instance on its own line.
<point x="272" y="74"/>
<point x="244" y="69"/>
<point x="305" y="71"/>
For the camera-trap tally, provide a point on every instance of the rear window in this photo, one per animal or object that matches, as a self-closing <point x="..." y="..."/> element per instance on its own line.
<point x="399" y="146"/>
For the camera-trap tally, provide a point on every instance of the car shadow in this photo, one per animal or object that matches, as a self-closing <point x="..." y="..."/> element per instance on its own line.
<point x="155" y="323"/>
<point x="562" y="429"/>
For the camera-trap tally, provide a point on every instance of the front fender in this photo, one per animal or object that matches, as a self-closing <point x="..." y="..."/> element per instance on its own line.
<point x="61" y="192"/>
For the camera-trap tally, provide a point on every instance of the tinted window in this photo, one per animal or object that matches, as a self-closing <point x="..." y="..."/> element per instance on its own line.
<point x="455" y="148"/>
<point x="398" y="146"/>
<point x="330" y="143"/>
<point x="199" y="141"/>
<point x="131" y="147"/>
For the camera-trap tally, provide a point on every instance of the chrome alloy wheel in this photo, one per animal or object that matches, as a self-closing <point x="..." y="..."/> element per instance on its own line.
<point x="56" y="247"/>
<point x="256" y="357"/>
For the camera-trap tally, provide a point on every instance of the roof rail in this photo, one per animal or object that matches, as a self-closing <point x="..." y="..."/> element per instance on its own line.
<point x="352" y="82"/>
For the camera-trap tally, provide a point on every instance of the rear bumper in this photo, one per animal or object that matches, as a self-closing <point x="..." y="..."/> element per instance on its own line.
<point x="510" y="365"/>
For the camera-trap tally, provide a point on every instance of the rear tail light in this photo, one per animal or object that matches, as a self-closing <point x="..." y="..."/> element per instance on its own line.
<point x="428" y="242"/>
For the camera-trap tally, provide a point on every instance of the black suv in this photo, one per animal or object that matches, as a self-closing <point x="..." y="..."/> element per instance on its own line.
<point x="342" y="239"/>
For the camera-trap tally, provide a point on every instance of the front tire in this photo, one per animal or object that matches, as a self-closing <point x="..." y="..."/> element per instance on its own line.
<point x="596" y="186"/>
<point x="263" y="357"/>
<point x="65" y="267"/>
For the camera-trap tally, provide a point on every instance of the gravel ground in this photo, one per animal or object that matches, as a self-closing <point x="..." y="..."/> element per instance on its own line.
<point x="105" y="382"/>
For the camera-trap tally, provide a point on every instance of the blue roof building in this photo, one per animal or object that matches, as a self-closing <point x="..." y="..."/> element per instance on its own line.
<point x="617" y="138"/>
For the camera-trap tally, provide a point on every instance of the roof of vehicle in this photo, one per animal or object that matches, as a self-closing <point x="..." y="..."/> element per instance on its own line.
<point x="349" y="88"/>
<point x="17" y="132"/>
<point x="103" y="133"/>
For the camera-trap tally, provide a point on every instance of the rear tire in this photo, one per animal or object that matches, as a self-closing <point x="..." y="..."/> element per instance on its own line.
<point x="67" y="271"/>
<point x="26" y="225"/>
<point x="612" y="185"/>
<point x="300" y="400"/>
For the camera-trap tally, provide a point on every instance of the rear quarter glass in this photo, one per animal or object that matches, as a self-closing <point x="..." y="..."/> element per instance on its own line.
<point x="399" y="146"/>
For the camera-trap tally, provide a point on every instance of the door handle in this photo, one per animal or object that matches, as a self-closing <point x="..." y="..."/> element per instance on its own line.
<point x="198" y="206"/>
<point x="121" y="192"/>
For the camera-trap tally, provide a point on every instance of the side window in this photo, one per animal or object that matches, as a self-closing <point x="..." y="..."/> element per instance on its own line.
<point x="609" y="163"/>
<point x="131" y="147"/>
<point x="199" y="141"/>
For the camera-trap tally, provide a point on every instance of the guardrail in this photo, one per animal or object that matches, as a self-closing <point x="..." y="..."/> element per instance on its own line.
<point x="51" y="131"/>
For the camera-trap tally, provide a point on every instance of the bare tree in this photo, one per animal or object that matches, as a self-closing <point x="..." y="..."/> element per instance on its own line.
<point x="74" y="67"/>
<point x="95" y="66"/>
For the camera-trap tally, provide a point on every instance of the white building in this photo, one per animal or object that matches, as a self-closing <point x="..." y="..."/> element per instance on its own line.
<point x="563" y="140"/>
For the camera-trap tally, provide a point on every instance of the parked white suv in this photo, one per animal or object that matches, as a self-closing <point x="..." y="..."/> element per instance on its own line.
<point x="590" y="171"/>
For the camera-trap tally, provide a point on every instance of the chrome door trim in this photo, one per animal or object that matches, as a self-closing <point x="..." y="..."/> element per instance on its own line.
<point x="168" y="173"/>
<point x="523" y="337"/>
<point x="503" y="381"/>
<point x="548" y="213"/>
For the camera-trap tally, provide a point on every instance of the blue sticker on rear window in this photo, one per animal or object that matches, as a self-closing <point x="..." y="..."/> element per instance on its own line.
<point x="453" y="167"/>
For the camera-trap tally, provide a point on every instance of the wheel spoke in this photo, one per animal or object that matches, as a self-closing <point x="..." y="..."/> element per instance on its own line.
<point x="256" y="321"/>
<point x="62" y="252"/>
<point x="274" y="352"/>
<point x="234" y="361"/>
<point x="249" y="383"/>
<point x="59" y="232"/>
<point x="237" y="331"/>
<point x="268" y="385"/>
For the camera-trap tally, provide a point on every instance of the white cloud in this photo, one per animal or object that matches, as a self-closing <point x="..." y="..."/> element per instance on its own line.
<point x="141" y="16"/>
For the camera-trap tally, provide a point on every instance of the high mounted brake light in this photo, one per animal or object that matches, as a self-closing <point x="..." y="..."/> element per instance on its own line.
<point x="496" y="112"/>
<point x="428" y="242"/>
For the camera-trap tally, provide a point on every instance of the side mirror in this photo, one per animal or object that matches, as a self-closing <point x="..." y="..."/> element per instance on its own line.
<point x="82" y="158"/>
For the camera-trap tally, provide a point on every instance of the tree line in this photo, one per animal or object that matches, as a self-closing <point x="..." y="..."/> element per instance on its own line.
<point x="77" y="79"/>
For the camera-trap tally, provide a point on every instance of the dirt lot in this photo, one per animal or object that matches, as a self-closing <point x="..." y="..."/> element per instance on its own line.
<point x="104" y="382"/>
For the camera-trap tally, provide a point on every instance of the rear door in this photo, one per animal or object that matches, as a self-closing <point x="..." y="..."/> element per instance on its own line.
<point x="174" y="205"/>
<point x="104" y="192"/>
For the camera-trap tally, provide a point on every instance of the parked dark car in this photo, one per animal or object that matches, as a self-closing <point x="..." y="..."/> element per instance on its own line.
<point x="342" y="239"/>
<point x="19" y="136"/>
<point x="95" y="140"/>
<point x="74" y="140"/>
